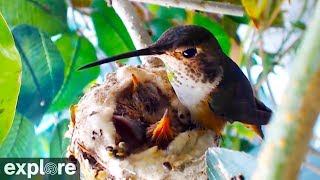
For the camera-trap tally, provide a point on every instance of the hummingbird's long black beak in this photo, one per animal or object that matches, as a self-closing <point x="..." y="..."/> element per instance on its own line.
<point x="142" y="52"/>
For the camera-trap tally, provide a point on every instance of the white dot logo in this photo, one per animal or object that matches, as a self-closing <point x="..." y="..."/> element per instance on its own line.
<point x="50" y="168"/>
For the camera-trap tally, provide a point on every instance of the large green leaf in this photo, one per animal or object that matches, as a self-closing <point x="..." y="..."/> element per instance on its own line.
<point x="49" y="15"/>
<point x="76" y="52"/>
<point x="171" y="13"/>
<point x="42" y="73"/>
<point x="58" y="145"/>
<point x="215" y="29"/>
<point x="158" y="27"/>
<point x="10" y="74"/>
<point x="41" y="146"/>
<point x="19" y="141"/>
<point x="113" y="37"/>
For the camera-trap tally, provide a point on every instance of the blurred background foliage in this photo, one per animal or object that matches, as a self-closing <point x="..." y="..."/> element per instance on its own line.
<point x="55" y="37"/>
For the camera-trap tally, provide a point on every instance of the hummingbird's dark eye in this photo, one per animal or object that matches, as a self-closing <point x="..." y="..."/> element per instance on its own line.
<point x="189" y="53"/>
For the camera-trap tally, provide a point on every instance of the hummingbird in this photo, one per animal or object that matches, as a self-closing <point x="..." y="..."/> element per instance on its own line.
<point x="204" y="78"/>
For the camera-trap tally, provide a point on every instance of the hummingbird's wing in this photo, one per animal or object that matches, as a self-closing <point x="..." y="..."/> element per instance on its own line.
<point x="261" y="106"/>
<point x="234" y="99"/>
<point x="241" y="111"/>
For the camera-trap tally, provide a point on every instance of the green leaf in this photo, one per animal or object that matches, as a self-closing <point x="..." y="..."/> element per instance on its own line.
<point x="230" y="27"/>
<point x="268" y="62"/>
<point x="237" y="137"/>
<point x="245" y="19"/>
<point x="153" y="8"/>
<point x="59" y="144"/>
<point x="42" y="73"/>
<point x="254" y="8"/>
<point x="48" y="15"/>
<point x="113" y="37"/>
<point x="19" y="141"/>
<point x="227" y="164"/>
<point x="215" y="29"/>
<point x="10" y="74"/>
<point x="172" y="13"/>
<point x="41" y="146"/>
<point x="158" y="27"/>
<point x="299" y="24"/>
<point x="76" y="52"/>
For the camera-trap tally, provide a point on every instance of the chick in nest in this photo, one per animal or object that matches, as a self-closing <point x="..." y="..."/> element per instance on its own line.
<point x="144" y="117"/>
<point x="119" y="129"/>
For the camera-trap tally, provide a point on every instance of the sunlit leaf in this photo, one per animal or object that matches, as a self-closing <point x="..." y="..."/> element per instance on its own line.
<point x="58" y="145"/>
<point x="227" y="164"/>
<point x="242" y="130"/>
<point x="113" y="37"/>
<point x="76" y="52"/>
<point x="237" y="137"/>
<point x="153" y="8"/>
<point x="48" y="15"/>
<point x="215" y="29"/>
<point x="42" y="73"/>
<point x="19" y="141"/>
<point x="254" y="8"/>
<point x="10" y="74"/>
<point x="158" y="27"/>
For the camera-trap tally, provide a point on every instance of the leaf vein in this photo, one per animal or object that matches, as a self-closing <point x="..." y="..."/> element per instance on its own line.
<point x="48" y="59"/>
<point x="29" y="67"/>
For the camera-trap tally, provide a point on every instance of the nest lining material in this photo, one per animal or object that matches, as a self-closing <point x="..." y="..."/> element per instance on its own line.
<point x="111" y="129"/>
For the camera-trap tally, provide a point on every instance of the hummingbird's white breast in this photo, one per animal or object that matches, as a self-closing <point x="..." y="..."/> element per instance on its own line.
<point x="188" y="87"/>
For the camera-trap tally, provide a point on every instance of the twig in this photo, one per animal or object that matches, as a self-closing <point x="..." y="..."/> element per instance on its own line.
<point x="205" y="6"/>
<point x="286" y="38"/>
<point x="246" y="57"/>
<point x="314" y="151"/>
<point x="274" y="15"/>
<point x="312" y="167"/>
<point x="276" y="62"/>
<point x="274" y="104"/>
<point x="135" y="27"/>
<point x="291" y="127"/>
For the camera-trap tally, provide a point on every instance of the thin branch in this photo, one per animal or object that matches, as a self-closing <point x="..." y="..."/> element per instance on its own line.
<point x="280" y="51"/>
<point x="274" y="104"/>
<point x="246" y="57"/>
<point x="278" y="60"/>
<point x="205" y="6"/>
<point x="292" y="123"/>
<point x="312" y="167"/>
<point x="314" y="151"/>
<point x="274" y="15"/>
<point x="135" y="27"/>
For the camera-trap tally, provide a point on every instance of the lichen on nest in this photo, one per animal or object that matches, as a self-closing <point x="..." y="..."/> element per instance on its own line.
<point x="133" y="125"/>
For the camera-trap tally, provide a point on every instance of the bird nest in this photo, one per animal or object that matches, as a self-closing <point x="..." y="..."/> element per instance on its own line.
<point x="133" y="126"/>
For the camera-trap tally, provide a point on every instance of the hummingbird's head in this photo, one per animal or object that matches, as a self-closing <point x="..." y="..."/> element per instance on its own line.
<point x="192" y="57"/>
<point x="189" y="50"/>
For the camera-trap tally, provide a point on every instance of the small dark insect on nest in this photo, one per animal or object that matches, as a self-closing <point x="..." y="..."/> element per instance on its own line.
<point x="134" y="120"/>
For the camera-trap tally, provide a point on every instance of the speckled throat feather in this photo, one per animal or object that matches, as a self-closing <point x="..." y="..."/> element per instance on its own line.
<point x="190" y="88"/>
